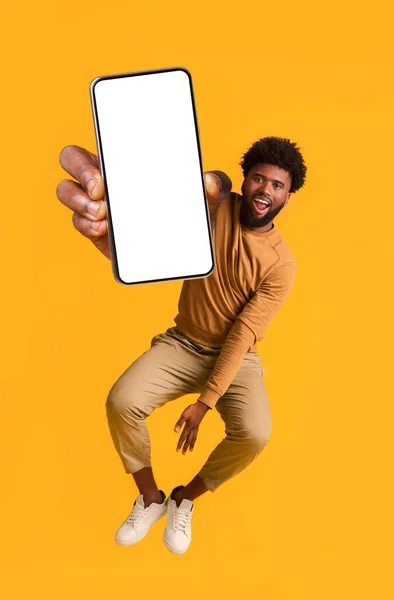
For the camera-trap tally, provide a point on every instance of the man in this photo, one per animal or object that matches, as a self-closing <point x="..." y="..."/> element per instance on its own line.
<point x="212" y="349"/>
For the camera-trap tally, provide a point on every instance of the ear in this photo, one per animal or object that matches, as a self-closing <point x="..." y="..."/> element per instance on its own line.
<point x="287" y="199"/>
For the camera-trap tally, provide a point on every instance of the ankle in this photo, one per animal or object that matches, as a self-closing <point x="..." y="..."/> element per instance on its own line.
<point x="153" y="497"/>
<point x="177" y="494"/>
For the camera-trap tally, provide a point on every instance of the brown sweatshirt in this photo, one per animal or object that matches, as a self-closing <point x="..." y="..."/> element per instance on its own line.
<point x="231" y="308"/>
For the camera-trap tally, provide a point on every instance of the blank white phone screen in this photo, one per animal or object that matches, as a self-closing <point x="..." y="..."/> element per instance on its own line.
<point x="149" y="152"/>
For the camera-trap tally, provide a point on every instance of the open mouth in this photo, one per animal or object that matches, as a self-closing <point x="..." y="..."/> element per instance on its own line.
<point x="261" y="206"/>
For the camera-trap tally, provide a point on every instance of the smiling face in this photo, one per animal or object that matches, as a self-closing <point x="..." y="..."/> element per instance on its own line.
<point x="265" y="191"/>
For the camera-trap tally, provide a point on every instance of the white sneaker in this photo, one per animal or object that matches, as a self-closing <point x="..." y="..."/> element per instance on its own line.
<point x="139" y="521"/>
<point x="178" y="532"/>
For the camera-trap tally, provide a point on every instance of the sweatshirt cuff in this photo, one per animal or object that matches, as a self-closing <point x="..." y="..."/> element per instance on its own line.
<point x="209" y="397"/>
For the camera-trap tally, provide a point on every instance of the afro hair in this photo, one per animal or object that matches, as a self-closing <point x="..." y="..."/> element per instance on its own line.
<point x="279" y="152"/>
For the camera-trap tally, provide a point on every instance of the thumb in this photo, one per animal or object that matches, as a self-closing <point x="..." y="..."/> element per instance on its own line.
<point x="179" y="423"/>
<point x="95" y="187"/>
<point x="95" y="183"/>
<point x="84" y="167"/>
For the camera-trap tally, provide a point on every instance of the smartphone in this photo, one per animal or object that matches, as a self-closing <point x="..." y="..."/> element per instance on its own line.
<point x="150" y="159"/>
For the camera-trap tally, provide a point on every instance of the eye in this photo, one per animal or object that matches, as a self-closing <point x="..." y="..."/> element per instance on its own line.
<point x="277" y="186"/>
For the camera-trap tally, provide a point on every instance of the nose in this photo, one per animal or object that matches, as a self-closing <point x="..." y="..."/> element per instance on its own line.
<point x="265" y="188"/>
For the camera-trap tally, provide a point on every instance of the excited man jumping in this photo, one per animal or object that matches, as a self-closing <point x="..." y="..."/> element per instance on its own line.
<point x="212" y="350"/>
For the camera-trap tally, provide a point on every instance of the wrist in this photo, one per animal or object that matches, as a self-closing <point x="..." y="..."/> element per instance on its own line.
<point x="203" y="406"/>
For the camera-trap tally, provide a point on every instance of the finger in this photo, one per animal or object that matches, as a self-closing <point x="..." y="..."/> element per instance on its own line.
<point x="88" y="228"/>
<point x="71" y="194"/>
<point x="83" y="166"/>
<point x="188" y="441"/>
<point x="193" y="441"/>
<point x="182" y="437"/>
<point x="179" y="423"/>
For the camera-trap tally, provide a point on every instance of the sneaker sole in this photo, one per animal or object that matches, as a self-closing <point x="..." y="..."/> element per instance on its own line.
<point x="123" y="543"/>
<point x="171" y="548"/>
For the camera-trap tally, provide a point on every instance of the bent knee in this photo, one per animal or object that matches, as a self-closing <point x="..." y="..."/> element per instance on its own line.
<point x="122" y="401"/>
<point x="259" y="434"/>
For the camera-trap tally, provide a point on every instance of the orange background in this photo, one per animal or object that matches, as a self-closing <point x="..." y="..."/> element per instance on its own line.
<point x="312" y="517"/>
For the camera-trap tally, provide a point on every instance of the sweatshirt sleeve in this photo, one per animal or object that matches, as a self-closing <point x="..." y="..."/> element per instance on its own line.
<point x="248" y="328"/>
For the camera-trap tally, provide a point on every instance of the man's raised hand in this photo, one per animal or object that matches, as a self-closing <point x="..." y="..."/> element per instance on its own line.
<point x="85" y="197"/>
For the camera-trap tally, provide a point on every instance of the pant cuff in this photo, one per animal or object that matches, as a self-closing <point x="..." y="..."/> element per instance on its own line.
<point x="210" y="484"/>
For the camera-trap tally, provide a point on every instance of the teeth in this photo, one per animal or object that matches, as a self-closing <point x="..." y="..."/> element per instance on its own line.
<point x="262" y="202"/>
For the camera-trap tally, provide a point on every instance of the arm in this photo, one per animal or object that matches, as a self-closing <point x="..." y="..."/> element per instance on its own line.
<point x="217" y="186"/>
<point x="82" y="199"/>
<point x="247" y="329"/>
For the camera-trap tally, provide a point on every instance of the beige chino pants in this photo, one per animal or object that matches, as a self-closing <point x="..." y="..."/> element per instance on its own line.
<point x="172" y="367"/>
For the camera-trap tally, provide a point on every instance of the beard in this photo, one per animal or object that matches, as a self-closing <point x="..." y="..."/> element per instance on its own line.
<point x="248" y="219"/>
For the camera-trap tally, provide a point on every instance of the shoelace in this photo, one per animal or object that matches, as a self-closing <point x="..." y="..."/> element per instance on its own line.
<point x="181" y="519"/>
<point x="137" y="513"/>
